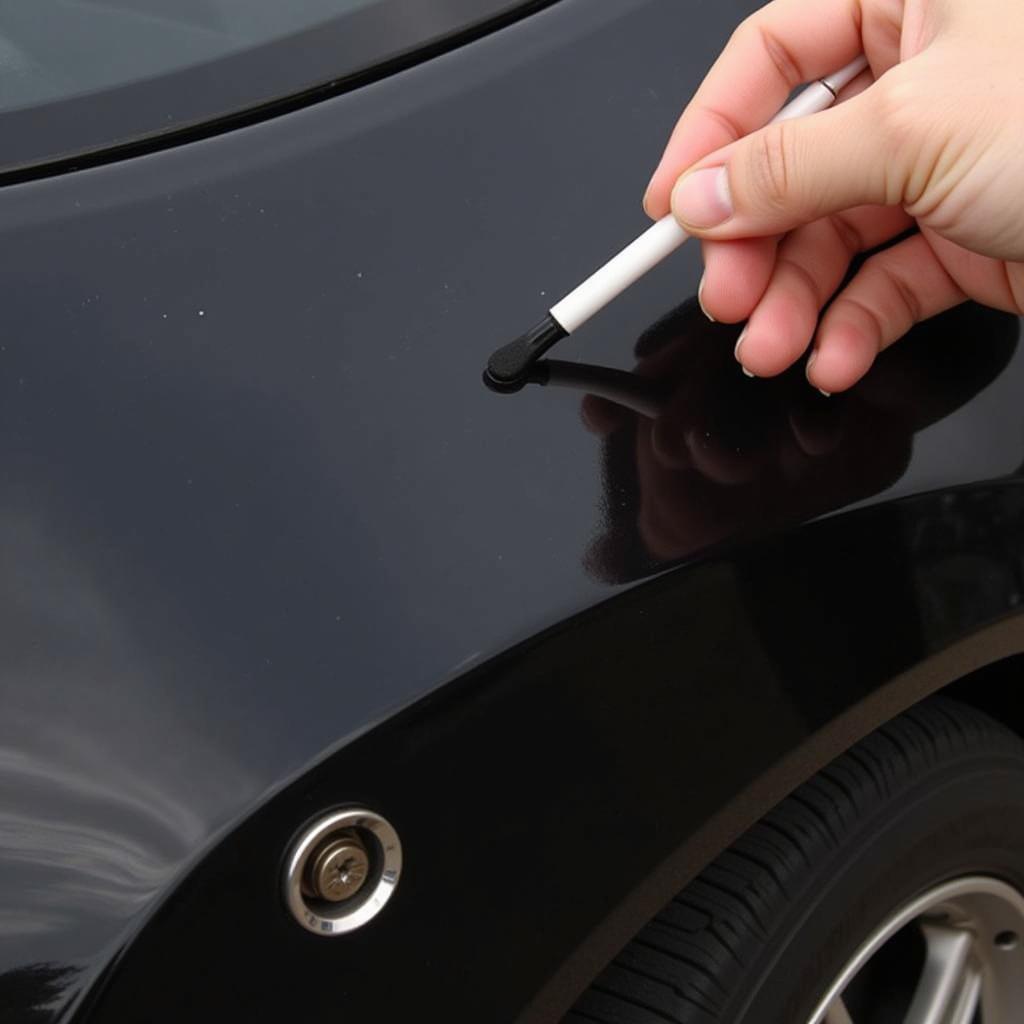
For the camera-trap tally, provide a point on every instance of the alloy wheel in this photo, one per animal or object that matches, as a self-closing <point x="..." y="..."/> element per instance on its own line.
<point x="957" y="951"/>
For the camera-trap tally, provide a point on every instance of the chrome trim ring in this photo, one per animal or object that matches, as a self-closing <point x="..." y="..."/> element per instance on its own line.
<point x="974" y="957"/>
<point x="321" y="916"/>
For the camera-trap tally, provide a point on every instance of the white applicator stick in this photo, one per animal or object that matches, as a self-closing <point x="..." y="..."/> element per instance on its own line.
<point x="507" y="368"/>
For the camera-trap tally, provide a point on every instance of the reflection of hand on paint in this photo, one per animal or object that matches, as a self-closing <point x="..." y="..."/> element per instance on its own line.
<point x="727" y="456"/>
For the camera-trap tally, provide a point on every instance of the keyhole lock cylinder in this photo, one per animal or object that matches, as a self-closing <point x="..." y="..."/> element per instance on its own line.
<point x="341" y="870"/>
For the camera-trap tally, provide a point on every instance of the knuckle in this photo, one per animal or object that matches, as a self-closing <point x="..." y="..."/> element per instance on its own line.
<point x="846" y="231"/>
<point x="908" y="299"/>
<point x="902" y="300"/>
<point x="772" y="166"/>
<point x="723" y="120"/>
<point x="897" y="108"/>
<point x="756" y="33"/>
<point x="900" y="115"/>
<point x="782" y="58"/>
<point x="802" y="277"/>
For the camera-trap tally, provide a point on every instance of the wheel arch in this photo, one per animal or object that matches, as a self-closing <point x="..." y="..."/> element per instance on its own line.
<point x="979" y="670"/>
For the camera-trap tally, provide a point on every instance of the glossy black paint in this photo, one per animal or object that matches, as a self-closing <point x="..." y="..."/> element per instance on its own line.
<point x="554" y="800"/>
<point x="255" y="500"/>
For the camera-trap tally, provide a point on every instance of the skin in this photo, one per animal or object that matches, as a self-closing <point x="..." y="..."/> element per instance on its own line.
<point x="932" y="139"/>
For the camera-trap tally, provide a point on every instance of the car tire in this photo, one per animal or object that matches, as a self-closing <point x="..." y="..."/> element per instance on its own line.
<point x="932" y="800"/>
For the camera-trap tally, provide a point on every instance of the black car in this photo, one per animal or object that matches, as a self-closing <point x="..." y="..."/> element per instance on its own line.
<point x="335" y="686"/>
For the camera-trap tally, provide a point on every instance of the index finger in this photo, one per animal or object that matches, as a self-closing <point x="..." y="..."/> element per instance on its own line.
<point x="786" y="43"/>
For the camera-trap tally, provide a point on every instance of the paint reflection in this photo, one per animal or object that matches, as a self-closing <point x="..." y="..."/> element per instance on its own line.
<point x="95" y="818"/>
<point x="29" y="994"/>
<point x="695" y="453"/>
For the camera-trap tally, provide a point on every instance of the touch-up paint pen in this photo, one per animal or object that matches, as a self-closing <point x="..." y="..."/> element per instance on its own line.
<point x="508" y="369"/>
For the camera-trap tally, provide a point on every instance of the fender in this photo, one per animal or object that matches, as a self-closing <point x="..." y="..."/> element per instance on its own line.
<point x="555" y="798"/>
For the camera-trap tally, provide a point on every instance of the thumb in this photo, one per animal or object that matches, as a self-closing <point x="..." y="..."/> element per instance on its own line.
<point x="788" y="174"/>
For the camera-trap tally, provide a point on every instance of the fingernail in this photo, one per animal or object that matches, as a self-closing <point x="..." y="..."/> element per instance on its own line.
<point x="807" y="374"/>
<point x="700" y="301"/>
<point x="746" y="372"/>
<point x="647" y="193"/>
<point x="739" y="341"/>
<point x="702" y="199"/>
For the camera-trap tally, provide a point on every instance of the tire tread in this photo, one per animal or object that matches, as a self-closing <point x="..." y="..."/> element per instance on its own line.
<point x="684" y="965"/>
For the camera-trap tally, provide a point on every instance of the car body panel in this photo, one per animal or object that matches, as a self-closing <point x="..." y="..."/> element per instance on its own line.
<point x="270" y="546"/>
<point x="553" y="800"/>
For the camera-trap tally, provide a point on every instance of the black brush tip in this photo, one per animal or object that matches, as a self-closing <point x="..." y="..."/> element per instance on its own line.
<point x="508" y="369"/>
<point x="504" y="387"/>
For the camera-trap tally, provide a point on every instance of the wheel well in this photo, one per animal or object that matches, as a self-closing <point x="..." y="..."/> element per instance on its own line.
<point x="994" y="690"/>
<point x="991" y="689"/>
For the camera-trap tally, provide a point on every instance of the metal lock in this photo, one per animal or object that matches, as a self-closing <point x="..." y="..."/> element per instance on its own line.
<point x="341" y="870"/>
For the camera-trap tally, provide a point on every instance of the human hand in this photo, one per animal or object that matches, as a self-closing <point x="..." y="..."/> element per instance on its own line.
<point x="932" y="138"/>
